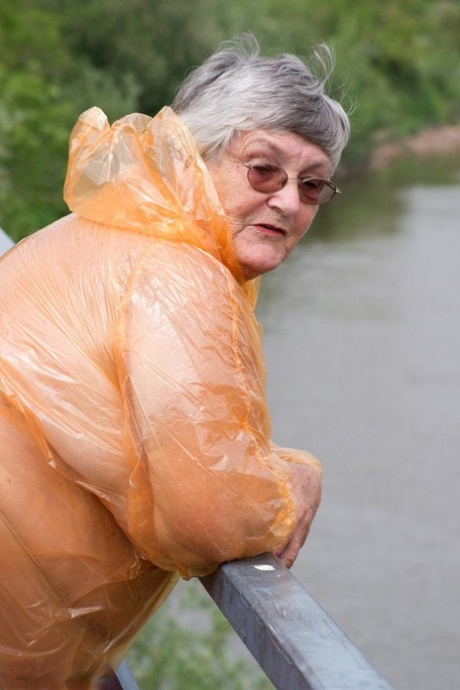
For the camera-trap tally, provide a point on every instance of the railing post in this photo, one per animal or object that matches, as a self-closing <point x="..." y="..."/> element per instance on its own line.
<point x="5" y="241"/>
<point x="126" y="678"/>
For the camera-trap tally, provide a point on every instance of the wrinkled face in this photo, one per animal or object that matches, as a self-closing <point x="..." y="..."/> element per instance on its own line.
<point x="266" y="226"/>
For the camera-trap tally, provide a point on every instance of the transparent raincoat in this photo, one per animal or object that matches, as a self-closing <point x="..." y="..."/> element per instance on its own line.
<point x="134" y="433"/>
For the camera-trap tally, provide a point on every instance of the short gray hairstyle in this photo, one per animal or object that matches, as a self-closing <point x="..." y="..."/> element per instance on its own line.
<point x="236" y="89"/>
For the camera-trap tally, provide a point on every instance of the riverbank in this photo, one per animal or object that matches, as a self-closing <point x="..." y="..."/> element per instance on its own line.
<point x="428" y="142"/>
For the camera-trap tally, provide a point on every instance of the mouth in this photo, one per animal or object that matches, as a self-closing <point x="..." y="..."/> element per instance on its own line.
<point x="272" y="230"/>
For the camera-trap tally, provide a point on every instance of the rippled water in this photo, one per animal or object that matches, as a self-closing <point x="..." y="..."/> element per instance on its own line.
<point x="362" y="341"/>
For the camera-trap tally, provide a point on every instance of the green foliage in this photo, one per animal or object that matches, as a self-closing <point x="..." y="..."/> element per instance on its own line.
<point x="186" y="646"/>
<point x="153" y="41"/>
<point x="42" y="92"/>
<point x="398" y="62"/>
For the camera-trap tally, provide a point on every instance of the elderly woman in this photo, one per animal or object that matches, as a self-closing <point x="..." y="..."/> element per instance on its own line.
<point x="134" y="435"/>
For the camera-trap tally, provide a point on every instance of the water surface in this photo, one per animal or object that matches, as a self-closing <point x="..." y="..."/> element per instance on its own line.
<point x="362" y="341"/>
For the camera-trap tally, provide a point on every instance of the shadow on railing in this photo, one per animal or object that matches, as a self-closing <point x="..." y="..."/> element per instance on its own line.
<point x="297" y="645"/>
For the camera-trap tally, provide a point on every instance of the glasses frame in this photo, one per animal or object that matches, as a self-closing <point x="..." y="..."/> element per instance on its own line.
<point x="329" y="184"/>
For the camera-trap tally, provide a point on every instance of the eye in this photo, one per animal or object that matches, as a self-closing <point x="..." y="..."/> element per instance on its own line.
<point x="312" y="184"/>
<point x="265" y="169"/>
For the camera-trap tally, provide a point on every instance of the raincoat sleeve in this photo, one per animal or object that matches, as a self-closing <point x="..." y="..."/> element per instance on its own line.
<point x="204" y="485"/>
<point x="209" y="486"/>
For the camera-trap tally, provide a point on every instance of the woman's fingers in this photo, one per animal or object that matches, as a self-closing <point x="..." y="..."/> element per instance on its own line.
<point x="306" y="482"/>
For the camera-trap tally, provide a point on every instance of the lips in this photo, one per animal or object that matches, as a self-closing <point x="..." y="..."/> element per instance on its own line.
<point x="271" y="229"/>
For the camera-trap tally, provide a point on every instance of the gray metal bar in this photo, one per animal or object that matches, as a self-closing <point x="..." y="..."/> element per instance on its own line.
<point x="297" y="644"/>
<point x="5" y="241"/>
<point x="126" y="678"/>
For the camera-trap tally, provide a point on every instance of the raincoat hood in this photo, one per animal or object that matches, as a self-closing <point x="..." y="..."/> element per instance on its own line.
<point x="146" y="175"/>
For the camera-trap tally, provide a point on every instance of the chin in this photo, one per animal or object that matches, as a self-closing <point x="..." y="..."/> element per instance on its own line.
<point x="254" y="267"/>
<point x="251" y="272"/>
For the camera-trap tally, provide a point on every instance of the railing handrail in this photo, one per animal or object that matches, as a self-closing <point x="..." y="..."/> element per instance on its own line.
<point x="296" y="643"/>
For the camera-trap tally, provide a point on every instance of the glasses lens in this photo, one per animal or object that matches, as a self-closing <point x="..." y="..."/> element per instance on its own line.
<point x="267" y="178"/>
<point x="316" y="191"/>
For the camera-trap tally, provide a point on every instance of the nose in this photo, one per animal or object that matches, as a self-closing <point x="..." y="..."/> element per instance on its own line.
<point x="287" y="199"/>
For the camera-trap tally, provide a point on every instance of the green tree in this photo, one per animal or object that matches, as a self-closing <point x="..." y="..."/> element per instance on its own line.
<point x="43" y="89"/>
<point x="153" y="42"/>
<point x="399" y="62"/>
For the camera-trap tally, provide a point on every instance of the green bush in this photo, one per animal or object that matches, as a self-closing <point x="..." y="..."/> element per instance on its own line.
<point x="188" y="645"/>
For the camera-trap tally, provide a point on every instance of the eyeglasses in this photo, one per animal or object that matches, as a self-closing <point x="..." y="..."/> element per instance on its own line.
<point x="267" y="179"/>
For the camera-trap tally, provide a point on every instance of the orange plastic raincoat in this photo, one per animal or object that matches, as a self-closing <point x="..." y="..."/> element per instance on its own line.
<point x="134" y="433"/>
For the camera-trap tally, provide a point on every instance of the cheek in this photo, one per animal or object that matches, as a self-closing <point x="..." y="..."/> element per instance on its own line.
<point x="226" y="183"/>
<point x="235" y="223"/>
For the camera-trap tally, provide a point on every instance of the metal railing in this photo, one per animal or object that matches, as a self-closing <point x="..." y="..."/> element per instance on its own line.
<point x="296" y="643"/>
<point x="5" y="241"/>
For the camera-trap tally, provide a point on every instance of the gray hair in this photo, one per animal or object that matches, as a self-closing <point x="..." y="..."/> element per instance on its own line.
<point x="236" y="89"/>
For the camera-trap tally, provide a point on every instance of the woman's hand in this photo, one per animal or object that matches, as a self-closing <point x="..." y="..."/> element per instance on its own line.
<point x="306" y="487"/>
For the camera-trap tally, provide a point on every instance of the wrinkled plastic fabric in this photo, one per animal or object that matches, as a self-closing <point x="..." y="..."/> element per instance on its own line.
<point x="134" y="433"/>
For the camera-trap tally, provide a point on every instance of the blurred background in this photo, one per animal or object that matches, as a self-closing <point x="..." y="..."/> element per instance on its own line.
<point x="361" y="324"/>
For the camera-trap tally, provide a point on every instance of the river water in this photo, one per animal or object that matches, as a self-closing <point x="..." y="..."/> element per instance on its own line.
<point x="362" y="342"/>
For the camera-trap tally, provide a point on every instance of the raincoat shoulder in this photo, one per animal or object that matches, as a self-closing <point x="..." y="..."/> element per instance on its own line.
<point x="146" y="175"/>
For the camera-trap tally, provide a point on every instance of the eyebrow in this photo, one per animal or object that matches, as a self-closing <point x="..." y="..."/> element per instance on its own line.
<point x="274" y="147"/>
<point x="260" y="141"/>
